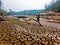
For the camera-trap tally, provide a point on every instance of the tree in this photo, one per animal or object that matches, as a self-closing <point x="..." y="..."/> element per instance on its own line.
<point x="55" y="6"/>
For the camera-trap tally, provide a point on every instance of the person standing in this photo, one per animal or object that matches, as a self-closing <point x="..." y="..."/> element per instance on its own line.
<point x="38" y="19"/>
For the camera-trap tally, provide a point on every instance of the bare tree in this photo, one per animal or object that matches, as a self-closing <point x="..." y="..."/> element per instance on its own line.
<point x="0" y="4"/>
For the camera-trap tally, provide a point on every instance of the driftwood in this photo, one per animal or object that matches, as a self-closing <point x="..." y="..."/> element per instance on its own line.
<point x="2" y="18"/>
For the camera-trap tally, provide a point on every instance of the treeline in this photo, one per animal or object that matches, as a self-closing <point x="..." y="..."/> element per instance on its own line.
<point x="53" y="6"/>
<point x="26" y="12"/>
<point x="29" y="12"/>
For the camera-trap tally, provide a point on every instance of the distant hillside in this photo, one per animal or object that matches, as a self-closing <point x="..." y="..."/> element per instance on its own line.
<point x="27" y="12"/>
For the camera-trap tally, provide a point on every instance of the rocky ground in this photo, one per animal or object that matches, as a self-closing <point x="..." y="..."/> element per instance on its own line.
<point x="15" y="32"/>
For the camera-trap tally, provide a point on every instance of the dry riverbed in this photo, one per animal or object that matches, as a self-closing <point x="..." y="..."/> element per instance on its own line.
<point x="16" y="32"/>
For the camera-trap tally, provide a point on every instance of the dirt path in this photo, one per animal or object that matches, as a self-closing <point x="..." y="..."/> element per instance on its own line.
<point x="54" y="25"/>
<point x="47" y="23"/>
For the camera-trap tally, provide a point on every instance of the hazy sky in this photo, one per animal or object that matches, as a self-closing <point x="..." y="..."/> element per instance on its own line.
<point x="19" y="5"/>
